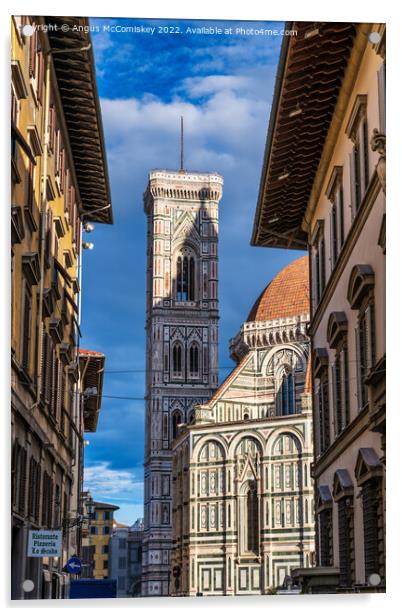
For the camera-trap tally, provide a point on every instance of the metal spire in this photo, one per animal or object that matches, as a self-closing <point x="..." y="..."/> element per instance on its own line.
<point x="181" y="144"/>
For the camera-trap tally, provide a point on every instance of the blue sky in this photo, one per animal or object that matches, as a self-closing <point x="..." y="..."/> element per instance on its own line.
<point x="223" y="87"/>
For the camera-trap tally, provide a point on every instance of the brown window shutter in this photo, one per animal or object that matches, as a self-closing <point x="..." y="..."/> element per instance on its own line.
<point x="41" y="61"/>
<point x="26" y="328"/>
<point x="45" y="488"/>
<point x="48" y="371"/>
<point x="59" y="370"/>
<point x="31" y="486"/>
<point x="38" y="491"/>
<point x="23" y="480"/>
<point x="14" y="471"/>
<point x="43" y="364"/>
<point x="53" y="380"/>
<point x="32" y="53"/>
<point x="50" y="504"/>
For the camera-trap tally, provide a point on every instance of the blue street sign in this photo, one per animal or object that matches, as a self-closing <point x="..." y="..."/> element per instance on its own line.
<point x="73" y="565"/>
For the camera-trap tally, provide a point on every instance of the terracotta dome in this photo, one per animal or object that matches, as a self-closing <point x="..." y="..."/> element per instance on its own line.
<point x="287" y="295"/>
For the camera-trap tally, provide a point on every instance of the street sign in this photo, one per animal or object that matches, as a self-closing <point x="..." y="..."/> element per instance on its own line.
<point x="43" y="543"/>
<point x="73" y="565"/>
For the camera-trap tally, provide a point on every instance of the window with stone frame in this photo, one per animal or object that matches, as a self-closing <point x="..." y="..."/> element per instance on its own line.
<point x="177" y="359"/>
<point x="19" y="477"/>
<point x="369" y="474"/>
<point x="357" y="131"/>
<point x="365" y="349"/>
<point x="318" y="258"/>
<point x="287" y="393"/>
<point x="185" y="276"/>
<point x="325" y="527"/>
<point x="34" y="489"/>
<point x="322" y="397"/>
<point x="176" y="420"/>
<point x="194" y="360"/>
<point x="337" y="333"/>
<point x="337" y="231"/>
<point x="344" y="497"/>
<point x="346" y="542"/>
<point x="361" y="298"/>
<point x="373" y="527"/>
<point x="47" y="500"/>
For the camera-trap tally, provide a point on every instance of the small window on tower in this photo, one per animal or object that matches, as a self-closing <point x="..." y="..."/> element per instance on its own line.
<point x="177" y="359"/>
<point x="185" y="273"/>
<point x="194" y="359"/>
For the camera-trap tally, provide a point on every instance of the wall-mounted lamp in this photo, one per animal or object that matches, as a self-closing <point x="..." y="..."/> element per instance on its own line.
<point x="87" y="245"/>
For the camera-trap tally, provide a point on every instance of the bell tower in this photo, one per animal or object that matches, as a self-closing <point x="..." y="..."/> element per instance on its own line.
<point x="181" y="339"/>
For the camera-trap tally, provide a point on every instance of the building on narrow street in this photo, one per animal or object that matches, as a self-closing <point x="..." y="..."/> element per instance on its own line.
<point x="125" y="558"/>
<point x="323" y="188"/>
<point x="243" y="499"/>
<point x="181" y="339"/>
<point x="100" y="531"/>
<point x="59" y="184"/>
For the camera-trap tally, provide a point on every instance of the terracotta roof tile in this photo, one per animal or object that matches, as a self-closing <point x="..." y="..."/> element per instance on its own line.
<point x="287" y="295"/>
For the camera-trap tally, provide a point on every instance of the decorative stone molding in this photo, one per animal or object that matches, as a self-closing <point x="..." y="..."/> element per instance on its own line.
<point x="378" y="144"/>
<point x="361" y="281"/>
<point x="258" y="334"/>
<point x="337" y="328"/>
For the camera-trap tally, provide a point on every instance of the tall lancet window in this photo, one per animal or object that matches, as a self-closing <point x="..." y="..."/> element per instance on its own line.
<point x="287" y="394"/>
<point x="252" y="519"/>
<point x="177" y="358"/>
<point x="185" y="271"/>
<point x="194" y="359"/>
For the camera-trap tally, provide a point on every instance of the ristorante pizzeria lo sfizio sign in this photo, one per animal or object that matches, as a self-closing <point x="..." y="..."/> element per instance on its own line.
<point x="44" y="543"/>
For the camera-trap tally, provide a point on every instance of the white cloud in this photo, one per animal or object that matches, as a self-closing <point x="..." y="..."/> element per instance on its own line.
<point x="106" y="482"/>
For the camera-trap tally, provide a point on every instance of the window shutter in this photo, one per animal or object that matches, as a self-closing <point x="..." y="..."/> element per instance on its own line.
<point x="50" y="504"/>
<point x="322" y="263"/>
<point x="381" y="98"/>
<point x="341" y="215"/>
<point x="371" y="335"/>
<point x="26" y="328"/>
<point x="41" y="62"/>
<point x="23" y="479"/>
<point x="32" y="53"/>
<point x="334" y="400"/>
<point x="352" y="184"/>
<point x="365" y="153"/>
<point x="59" y="369"/>
<point x="31" y="487"/>
<point x="38" y="491"/>
<point x="318" y="406"/>
<point x="358" y="367"/>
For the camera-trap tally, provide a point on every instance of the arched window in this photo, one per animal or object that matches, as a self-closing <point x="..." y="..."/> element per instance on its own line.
<point x="252" y="519"/>
<point x="287" y="394"/>
<point x="176" y="420"/>
<point x="185" y="272"/>
<point x="194" y="359"/>
<point x="177" y="358"/>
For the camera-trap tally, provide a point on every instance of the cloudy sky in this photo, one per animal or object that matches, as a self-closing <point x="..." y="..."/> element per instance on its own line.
<point x="223" y="87"/>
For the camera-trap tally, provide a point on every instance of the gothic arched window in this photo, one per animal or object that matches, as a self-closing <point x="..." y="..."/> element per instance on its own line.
<point x="252" y="519"/>
<point x="176" y="420"/>
<point x="194" y="359"/>
<point x="287" y="394"/>
<point x="177" y="358"/>
<point x="185" y="272"/>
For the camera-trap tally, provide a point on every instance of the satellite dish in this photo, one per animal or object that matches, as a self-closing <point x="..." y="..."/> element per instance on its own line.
<point x="374" y="579"/>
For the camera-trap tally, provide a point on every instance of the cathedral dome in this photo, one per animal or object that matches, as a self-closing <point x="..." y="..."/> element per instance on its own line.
<point x="287" y="295"/>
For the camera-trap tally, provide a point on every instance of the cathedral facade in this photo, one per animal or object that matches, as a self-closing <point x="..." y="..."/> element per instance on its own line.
<point x="242" y="492"/>
<point x="181" y="340"/>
